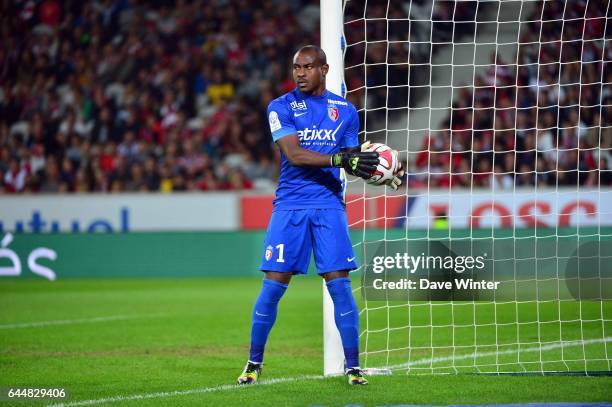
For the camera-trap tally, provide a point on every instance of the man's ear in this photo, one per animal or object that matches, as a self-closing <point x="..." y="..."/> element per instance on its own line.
<point x="325" y="69"/>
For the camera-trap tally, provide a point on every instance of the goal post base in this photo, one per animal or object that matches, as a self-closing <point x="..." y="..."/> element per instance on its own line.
<point x="372" y="371"/>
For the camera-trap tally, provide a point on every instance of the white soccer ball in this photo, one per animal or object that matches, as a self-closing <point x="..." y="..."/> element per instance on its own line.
<point x="387" y="163"/>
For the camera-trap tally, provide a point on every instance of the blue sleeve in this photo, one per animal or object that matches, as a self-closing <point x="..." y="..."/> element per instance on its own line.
<point x="351" y="135"/>
<point x="280" y="120"/>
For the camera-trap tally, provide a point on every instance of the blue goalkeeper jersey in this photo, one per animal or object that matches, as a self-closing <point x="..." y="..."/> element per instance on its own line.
<point x="324" y="124"/>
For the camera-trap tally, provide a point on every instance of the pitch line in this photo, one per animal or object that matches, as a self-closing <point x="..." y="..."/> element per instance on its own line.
<point x="73" y="321"/>
<point x="225" y="387"/>
<point x="551" y="346"/>
<point x="203" y="390"/>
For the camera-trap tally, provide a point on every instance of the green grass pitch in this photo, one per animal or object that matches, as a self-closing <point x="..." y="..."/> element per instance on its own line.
<point x="184" y="341"/>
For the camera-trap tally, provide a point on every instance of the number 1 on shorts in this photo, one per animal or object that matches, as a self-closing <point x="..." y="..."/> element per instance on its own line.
<point x="281" y="248"/>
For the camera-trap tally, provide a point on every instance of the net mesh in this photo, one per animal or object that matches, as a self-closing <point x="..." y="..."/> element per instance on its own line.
<point x="501" y="112"/>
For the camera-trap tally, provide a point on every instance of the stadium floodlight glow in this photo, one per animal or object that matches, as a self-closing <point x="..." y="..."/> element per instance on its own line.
<point x="467" y="91"/>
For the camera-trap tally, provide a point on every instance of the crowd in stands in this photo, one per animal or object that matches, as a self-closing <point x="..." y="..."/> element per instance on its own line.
<point x="122" y="95"/>
<point x="389" y="52"/>
<point x="547" y="123"/>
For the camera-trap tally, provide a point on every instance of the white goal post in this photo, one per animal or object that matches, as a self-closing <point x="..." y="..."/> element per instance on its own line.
<point x="332" y="40"/>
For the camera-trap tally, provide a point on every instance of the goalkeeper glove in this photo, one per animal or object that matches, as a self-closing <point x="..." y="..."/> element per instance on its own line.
<point x="394" y="182"/>
<point x="357" y="163"/>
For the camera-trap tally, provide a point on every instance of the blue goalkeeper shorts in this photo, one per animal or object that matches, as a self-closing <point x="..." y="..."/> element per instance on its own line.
<point x="292" y="236"/>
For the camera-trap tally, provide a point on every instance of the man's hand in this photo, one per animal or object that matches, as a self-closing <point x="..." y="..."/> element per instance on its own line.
<point x="356" y="163"/>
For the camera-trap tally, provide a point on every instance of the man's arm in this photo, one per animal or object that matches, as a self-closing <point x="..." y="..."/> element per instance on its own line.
<point x="355" y="162"/>
<point x="301" y="157"/>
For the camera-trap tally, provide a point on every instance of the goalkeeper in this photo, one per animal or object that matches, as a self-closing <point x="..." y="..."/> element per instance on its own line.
<point x="317" y="132"/>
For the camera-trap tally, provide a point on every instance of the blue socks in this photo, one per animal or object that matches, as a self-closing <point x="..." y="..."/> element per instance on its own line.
<point x="264" y="316"/>
<point x="346" y="316"/>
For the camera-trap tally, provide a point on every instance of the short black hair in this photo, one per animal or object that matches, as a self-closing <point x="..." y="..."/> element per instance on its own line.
<point x="321" y="57"/>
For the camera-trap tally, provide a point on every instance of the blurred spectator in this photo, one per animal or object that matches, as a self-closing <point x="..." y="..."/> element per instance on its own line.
<point x="15" y="177"/>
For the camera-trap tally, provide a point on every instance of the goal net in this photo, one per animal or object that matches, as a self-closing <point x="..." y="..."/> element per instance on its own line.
<point x="501" y="111"/>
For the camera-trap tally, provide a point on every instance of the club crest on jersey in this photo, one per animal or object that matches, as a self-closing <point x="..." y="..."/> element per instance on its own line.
<point x="268" y="253"/>
<point x="332" y="112"/>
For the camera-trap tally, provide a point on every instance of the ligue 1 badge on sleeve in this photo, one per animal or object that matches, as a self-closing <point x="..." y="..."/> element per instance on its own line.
<point x="268" y="253"/>
<point x="332" y="112"/>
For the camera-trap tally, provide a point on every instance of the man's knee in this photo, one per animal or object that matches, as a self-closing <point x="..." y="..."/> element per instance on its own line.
<point x="278" y="276"/>
<point x="332" y="275"/>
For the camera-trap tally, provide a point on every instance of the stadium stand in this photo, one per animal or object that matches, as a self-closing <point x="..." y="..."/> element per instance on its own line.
<point x="550" y="124"/>
<point x="111" y="96"/>
<point x="143" y="96"/>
